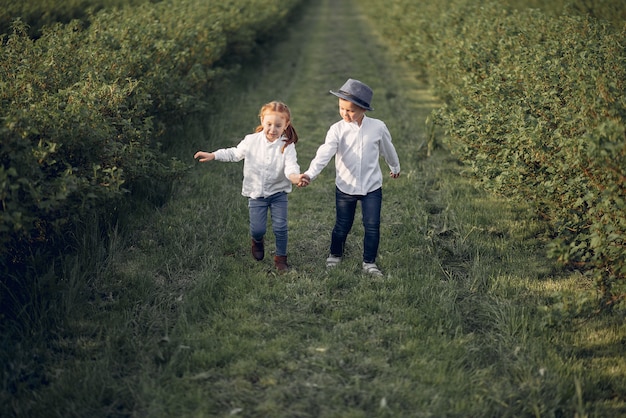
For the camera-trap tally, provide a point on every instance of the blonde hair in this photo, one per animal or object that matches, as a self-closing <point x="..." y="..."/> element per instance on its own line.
<point x="280" y="107"/>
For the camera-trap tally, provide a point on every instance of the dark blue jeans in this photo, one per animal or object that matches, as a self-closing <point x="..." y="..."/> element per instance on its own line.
<point x="277" y="205"/>
<point x="345" y="206"/>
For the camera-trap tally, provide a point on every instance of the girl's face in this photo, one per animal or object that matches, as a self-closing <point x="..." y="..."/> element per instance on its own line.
<point x="350" y="112"/>
<point x="274" y="124"/>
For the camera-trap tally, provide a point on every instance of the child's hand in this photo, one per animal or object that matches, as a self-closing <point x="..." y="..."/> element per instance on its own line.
<point x="394" y="175"/>
<point x="203" y="157"/>
<point x="304" y="180"/>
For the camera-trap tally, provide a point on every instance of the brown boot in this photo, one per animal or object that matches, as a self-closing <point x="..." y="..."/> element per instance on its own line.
<point x="258" y="249"/>
<point x="280" y="261"/>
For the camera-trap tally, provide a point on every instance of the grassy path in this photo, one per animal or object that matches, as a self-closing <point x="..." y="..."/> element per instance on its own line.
<point x="312" y="343"/>
<point x="182" y="322"/>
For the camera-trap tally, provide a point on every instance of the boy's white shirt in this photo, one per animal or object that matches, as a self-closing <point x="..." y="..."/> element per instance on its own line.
<point x="265" y="169"/>
<point x="357" y="150"/>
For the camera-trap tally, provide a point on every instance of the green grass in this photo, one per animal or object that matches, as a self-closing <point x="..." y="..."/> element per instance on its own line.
<point x="177" y="319"/>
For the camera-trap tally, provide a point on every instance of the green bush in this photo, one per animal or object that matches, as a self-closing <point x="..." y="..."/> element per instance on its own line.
<point x="84" y="106"/>
<point x="38" y="14"/>
<point x="541" y="118"/>
<point x="535" y="105"/>
<point x="70" y="139"/>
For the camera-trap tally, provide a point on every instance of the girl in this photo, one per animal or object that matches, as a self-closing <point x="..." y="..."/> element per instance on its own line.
<point x="270" y="168"/>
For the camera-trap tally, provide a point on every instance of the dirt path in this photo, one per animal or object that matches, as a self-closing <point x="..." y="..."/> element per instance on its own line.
<point x="334" y="41"/>
<point x="184" y="323"/>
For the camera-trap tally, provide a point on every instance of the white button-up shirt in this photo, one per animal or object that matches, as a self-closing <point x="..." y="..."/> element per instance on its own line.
<point x="266" y="169"/>
<point x="357" y="150"/>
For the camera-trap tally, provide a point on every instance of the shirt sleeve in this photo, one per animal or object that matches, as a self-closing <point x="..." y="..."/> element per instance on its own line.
<point x="324" y="154"/>
<point x="234" y="154"/>
<point x="291" y="161"/>
<point x="388" y="152"/>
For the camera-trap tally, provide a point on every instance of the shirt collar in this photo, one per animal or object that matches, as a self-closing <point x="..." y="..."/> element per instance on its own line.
<point x="354" y="123"/>
<point x="280" y="139"/>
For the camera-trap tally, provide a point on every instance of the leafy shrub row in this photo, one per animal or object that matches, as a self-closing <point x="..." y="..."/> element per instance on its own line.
<point x="83" y="106"/>
<point x="535" y="104"/>
<point x="41" y="13"/>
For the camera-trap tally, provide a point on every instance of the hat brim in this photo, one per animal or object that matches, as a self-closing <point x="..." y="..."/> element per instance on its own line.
<point x="352" y="99"/>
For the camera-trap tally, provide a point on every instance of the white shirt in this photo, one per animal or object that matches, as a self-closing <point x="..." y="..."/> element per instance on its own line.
<point x="357" y="150"/>
<point x="266" y="169"/>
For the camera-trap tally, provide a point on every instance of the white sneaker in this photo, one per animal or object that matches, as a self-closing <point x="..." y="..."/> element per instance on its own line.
<point x="332" y="261"/>
<point x="371" y="268"/>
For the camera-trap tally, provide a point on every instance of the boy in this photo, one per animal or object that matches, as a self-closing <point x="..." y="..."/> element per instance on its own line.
<point x="357" y="142"/>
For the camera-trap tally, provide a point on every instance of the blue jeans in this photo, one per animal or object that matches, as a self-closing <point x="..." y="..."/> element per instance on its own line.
<point x="345" y="206"/>
<point x="277" y="205"/>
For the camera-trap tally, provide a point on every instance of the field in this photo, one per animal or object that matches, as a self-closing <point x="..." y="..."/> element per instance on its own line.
<point x="165" y="313"/>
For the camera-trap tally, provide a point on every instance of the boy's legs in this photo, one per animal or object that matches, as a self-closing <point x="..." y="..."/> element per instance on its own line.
<point x="345" y="208"/>
<point x="371" y="206"/>
<point x="278" y="209"/>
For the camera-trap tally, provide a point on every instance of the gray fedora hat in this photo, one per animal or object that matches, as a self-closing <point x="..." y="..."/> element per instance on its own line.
<point x="356" y="92"/>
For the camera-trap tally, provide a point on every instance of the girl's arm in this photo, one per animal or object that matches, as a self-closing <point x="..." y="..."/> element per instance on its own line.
<point x="304" y="180"/>
<point x="295" y="178"/>
<point x="292" y="169"/>
<point x="203" y="156"/>
<point x="233" y="154"/>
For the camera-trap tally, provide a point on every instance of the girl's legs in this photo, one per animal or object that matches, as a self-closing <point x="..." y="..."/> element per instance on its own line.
<point x="345" y="207"/>
<point x="371" y="207"/>
<point x="258" y="217"/>
<point x="277" y="204"/>
<point x="278" y="208"/>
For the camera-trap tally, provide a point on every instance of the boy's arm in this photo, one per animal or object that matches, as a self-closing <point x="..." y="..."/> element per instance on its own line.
<point x="389" y="153"/>
<point x="324" y="154"/>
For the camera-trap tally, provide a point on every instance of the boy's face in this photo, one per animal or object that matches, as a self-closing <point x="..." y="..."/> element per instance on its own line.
<point x="274" y="124"/>
<point x="350" y="112"/>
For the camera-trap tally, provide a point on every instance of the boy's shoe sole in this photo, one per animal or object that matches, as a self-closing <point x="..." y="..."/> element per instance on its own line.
<point x="332" y="261"/>
<point x="371" y="268"/>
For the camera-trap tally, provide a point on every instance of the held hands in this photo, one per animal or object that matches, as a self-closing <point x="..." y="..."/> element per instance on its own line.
<point x="204" y="157"/>
<point x="300" y="180"/>
<point x="304" y="180"/>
